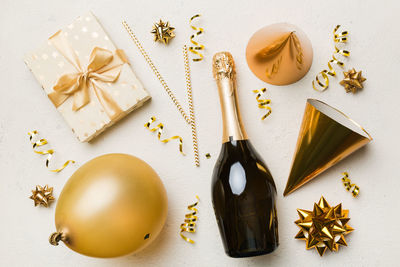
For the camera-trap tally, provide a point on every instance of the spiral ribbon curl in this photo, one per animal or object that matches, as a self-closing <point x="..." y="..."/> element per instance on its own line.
<point x="337" y="38"/>
<point x="197" y="46"/>
<point x="41" y="142"/>
<point x="189" y="224"/>
<point x="159" y="128"/>
<point x="262" y="103"/>
<point x="355" y="190"/>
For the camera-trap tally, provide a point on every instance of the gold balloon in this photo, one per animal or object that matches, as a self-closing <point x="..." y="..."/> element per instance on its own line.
<point x="113" y="205"/>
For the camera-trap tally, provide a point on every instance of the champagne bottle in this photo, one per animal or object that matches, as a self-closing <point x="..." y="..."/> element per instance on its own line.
<point x="243" y="190"/>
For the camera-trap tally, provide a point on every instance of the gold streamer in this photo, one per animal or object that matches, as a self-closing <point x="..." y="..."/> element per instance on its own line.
<point x="159" y="128"/>
<point x="189" y="224"/>
<point x="355" y="190"/>
<point x="49" y="152"/>
<point x="262" y="103"/>
<point x="197" y="46"/>
<point x="337" y="38"/>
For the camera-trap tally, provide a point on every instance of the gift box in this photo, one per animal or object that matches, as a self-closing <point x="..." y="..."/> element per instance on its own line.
<point x="86" y="77"/>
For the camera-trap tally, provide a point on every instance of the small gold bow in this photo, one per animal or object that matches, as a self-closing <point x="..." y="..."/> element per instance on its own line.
<point x="104" y="66"/>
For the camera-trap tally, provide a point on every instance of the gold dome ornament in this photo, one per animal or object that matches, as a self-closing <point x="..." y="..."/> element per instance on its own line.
<point x="352" y="81"/>
<point x="42" y="195"/>
<point x="111" y="206"/>
<point x="279" y="54"/>
<point x="163" y="32"/>
<point x="323" y="227"/>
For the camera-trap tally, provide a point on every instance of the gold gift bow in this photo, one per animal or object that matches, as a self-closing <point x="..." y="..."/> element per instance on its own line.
<point x="104" y="66"/>
<point x="189" y="224"/>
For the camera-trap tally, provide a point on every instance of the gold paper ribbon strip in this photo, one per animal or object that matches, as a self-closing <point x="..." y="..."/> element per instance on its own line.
<point x="355" y="190"/>
<point x="159" y="128"/>
<point x="190" y="221"/>
<point x="197" y="46"/>
<point x="262" y="103"/>
<point x="337" y="38"/>
<point x="49" y="152"/>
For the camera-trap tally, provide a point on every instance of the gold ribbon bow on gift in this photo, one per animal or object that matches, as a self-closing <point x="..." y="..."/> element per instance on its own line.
<point x="104" y="66"/>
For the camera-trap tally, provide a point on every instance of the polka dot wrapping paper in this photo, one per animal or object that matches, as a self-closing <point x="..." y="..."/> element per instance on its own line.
<point x="79" y="40"/>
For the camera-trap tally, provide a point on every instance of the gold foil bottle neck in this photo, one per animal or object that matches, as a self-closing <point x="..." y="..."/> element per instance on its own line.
<point x="223" y="66"/>
<point x="225" y="76"/>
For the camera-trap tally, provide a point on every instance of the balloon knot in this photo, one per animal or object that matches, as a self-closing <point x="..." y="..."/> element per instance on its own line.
<point x="55" y="238"/>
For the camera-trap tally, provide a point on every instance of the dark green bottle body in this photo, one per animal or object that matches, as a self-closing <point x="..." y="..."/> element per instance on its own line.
<point x="244" y="200"/>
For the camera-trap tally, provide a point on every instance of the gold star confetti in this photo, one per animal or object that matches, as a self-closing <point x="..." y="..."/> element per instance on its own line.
<point x="352" y="81"/>
<point x="163" y="32"/>
<point x="42" y="195"/>
<point x="323" y="227"/>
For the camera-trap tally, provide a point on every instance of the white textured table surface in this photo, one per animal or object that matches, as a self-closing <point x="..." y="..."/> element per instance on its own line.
<point x="374" y="44"/>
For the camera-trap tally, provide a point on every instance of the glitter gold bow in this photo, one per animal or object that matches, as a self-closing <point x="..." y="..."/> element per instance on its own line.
<point x="355" y="190"/>
<point x="48" y="152"/>
<point x="352" y="81"/>
<point x="262" y="103"/>
<point x="189" y="224"/>
<point x="337" y="38"/>
<point x="163" y="32"/>
<point x="42" y="195"/>
<point x="104" y="66"/>
<point x="323" y="227"/>
<point x="159" y="128"/>
<point x="197" y="46"/>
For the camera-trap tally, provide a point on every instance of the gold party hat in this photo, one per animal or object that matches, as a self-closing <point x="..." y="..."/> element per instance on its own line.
<point x="326" y="136"/>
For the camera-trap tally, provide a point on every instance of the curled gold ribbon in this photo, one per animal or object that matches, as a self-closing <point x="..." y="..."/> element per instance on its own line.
<point x="49" y="152"/>
<point x="197" y="46"/>
<point x="355" y="190"/>
<point x="263" y="103"/>
<point x="159" y="128"/>
<point x="104" y="66"/>
<point x="337" y="38"/>
<point x="189" y="224"/>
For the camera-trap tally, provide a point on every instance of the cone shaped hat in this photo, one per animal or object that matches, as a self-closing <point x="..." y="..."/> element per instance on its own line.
<point x="326" y="136"/>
